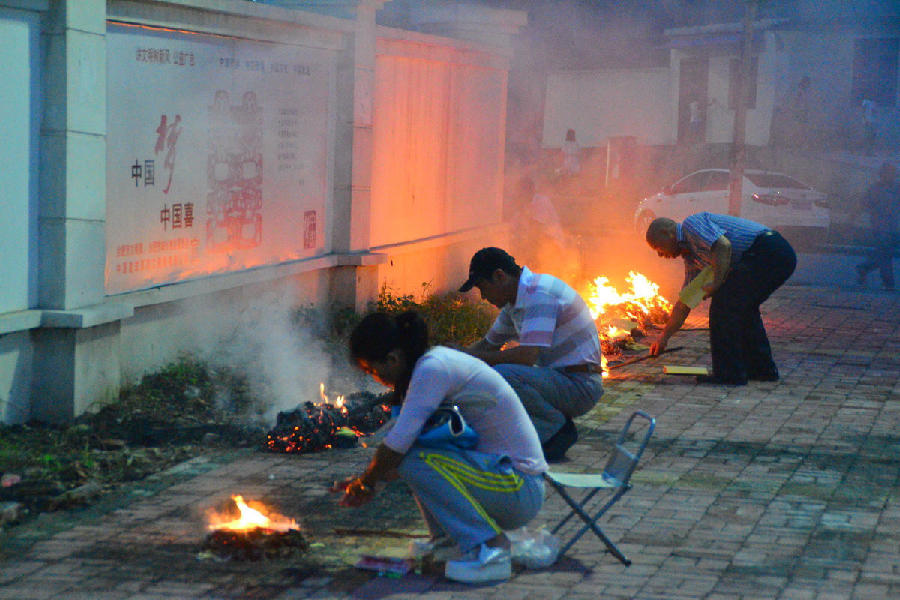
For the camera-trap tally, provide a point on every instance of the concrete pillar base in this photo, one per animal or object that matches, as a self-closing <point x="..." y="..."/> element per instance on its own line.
<point x="75" y="370"/>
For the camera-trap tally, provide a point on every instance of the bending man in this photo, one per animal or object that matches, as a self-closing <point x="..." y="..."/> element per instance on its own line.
<point x="749" y="261"/>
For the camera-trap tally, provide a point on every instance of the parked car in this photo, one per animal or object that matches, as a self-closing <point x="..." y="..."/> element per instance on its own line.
<point x="773" y="199"/>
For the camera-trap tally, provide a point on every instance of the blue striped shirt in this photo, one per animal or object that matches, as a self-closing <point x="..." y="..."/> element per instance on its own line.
<point x="700" y="231"/>
<point x="552" y="316"/>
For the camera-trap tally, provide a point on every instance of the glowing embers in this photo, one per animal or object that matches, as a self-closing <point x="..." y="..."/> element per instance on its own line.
<point x="318" y="426"/>
<point x="250" y="531"/>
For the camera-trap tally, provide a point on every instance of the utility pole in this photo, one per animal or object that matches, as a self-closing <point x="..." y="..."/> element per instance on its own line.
<point x="739" y="137"/>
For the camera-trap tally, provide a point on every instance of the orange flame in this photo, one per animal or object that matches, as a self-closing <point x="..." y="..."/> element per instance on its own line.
<point x="612" y="310"/>
<point x="339" y="402"/>
<point x="641" y="300"/>
<point x="252" y="517"/>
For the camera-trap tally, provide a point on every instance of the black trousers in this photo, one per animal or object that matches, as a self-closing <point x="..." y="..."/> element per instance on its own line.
<point x="737" y="338"/>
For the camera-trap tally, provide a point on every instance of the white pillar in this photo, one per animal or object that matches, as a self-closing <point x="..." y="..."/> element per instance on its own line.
<point x="76" y="348"/>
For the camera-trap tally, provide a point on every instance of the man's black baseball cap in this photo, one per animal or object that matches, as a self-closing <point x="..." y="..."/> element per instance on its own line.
<point x="485" y="262"/>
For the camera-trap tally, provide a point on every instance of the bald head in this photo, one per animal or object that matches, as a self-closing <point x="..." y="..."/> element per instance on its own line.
<point x="660" y="228"/>
<point x="662" y="235"/>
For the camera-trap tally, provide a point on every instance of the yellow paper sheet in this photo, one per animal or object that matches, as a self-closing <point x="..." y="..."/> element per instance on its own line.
<point x="679" y="370"/>
<point x="692" y="294"/>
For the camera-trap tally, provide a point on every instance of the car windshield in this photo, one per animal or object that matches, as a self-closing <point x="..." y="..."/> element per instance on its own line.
<point x="775" y="180"/>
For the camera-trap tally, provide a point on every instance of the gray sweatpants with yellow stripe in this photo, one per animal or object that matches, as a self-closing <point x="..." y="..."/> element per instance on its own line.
<point x="470" y="496"/>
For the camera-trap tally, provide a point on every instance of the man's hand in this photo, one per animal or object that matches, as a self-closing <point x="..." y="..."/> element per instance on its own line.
<point x="519" y="355"/>
<point x="709" y="289"/>
<point x="679" y="313"/>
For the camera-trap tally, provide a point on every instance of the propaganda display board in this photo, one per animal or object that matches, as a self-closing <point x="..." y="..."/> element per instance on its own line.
<point x="217" y="154"/>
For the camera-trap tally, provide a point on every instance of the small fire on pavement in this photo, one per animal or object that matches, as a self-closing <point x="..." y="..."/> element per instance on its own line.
<point x="314" y="426"/>
<point x="250" y="531"/>
<point x="621" y="317"/>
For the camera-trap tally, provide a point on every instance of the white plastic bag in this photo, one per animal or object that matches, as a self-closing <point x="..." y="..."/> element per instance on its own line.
<point x="533" y="548"/>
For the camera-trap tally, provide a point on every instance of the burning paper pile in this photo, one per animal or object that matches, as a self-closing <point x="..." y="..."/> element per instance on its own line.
<point x="642" y="304"/>
<point x="252" y="532"/>
<point x="620" y="317"/>
<point x="315" y="426"/>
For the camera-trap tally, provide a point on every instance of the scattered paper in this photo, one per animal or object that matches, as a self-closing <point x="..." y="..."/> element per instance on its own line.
<point x="387" y="565"/>
<point x="679" y="370"/>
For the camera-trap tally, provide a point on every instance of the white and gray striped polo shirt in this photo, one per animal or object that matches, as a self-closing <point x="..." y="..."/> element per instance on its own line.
<point x="551" y="315"/>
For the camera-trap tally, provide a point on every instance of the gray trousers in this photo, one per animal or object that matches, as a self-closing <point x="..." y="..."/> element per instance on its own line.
<point x="550" y="396"/>
<point x="468" y="495"/>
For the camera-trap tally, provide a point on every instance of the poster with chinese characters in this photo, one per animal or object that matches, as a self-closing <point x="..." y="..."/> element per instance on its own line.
<point x="218" y="153"/>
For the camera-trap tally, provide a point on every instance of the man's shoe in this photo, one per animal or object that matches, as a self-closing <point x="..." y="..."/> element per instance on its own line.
<point x="556" y="447"/>
<point x="716" y="380"/>
<point x="490" y="564"/>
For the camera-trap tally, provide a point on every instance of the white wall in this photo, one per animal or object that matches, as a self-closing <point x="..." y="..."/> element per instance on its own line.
<point x="720" y="118"/>
<point x="19" y="99"/>
<point x="601" y="104"/>
<point x="437" y="171"/>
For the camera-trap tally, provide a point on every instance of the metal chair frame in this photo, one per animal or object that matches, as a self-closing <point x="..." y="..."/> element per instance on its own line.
<point x="616" y="476"/>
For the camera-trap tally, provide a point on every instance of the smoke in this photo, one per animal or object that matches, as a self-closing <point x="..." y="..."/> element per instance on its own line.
<point x="284" y="359"/>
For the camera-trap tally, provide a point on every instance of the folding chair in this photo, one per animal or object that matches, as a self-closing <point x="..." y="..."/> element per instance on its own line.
<point x="615" y="478"/>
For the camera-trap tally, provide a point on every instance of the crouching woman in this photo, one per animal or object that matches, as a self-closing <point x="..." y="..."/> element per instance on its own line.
<point x="469" y="495"/>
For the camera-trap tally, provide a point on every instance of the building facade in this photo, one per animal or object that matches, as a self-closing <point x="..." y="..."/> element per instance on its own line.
<point x="174" y="168"/>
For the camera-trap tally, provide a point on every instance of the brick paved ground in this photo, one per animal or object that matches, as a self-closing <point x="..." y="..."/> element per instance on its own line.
<point x="769" y="491"/>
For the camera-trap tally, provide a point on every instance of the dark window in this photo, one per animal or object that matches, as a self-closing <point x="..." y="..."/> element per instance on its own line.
<point x="718" y="181"/>
<point x="875" y="70"/>
<point x="750" y="91"/>
<point x="690" y="184"/>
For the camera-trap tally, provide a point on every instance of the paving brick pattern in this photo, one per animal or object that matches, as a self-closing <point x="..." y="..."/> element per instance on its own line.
<point x="784" y="490"/>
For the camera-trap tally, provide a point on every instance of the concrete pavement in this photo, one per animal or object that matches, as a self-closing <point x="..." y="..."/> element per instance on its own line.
<point x="784" y="490"/>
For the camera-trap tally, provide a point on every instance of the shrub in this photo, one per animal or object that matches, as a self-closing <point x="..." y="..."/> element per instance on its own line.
<point x="452" y="318"/>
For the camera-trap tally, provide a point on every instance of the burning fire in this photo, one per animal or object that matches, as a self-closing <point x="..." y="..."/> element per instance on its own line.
<point x="251" y="517"/>
<point x="338" y="402"/>
<point x="642" y="304"/>
<point x="618" y="315"/>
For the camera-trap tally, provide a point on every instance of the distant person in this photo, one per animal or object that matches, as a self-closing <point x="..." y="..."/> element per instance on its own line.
<point x="696" y="123"/>
<point x="571" y="154"/>
<point x="555" y="366"/>
<point x="882" y="202"/>
<point x="792" y="117"/>
<point x="539" y="235"/>
<point x="467" y="496"/>
<point x="869" y="132"/>
<point x="749" y="262"/>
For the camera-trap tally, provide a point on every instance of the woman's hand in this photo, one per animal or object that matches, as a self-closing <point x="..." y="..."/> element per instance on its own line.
<point x="356" y="493"/>
<point x="340" y="486"/>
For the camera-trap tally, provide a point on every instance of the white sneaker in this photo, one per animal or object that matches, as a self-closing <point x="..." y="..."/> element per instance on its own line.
<point x="491" y="564"/>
